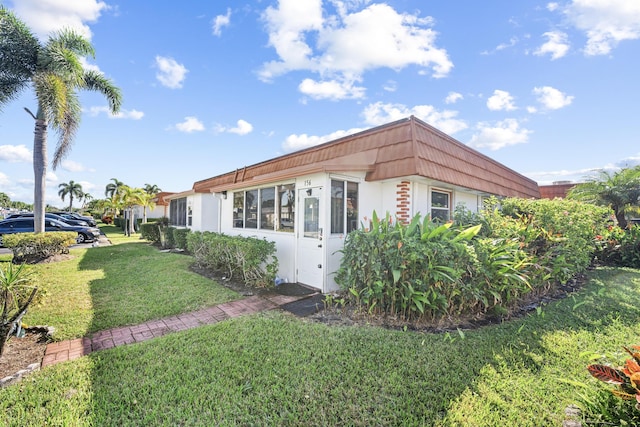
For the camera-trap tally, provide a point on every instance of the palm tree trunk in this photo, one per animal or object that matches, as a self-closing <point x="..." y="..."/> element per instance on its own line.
<point x="40" y="173"/>
<point x="70" y="202"/>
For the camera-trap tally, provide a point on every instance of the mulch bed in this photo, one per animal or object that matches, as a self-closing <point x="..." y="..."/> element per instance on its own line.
<point x="19" y="353"/>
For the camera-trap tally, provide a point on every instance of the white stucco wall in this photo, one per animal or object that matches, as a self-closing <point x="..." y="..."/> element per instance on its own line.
<point x="373" y="196"/>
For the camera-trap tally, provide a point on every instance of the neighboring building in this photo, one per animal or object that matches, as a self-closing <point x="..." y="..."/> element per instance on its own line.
<point x="309" y="200"/>
<point x="559" y="189"/>
<point x="161" y="208"/>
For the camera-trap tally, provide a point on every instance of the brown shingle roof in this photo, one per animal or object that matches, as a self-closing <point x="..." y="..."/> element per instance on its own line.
<point x="403" y="148"/>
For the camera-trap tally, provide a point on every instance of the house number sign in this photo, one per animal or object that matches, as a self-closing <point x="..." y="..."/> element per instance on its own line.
<point x="307" y="183"/>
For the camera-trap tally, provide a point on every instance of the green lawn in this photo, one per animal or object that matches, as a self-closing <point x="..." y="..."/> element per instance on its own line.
<point x="126" y="283"/>
<point x="275" y="369"/>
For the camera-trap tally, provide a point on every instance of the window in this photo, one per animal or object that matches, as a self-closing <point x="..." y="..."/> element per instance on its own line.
<point x="259" y="208"/>
<point x="440" y="206"/>
<point x="286" y="208"/>
<point x="267" y="207"/>
<point x="238" y="209"/>
<point x="251" y="209"/>
<point x="344" y="206"/>
<point x="178" y="212"/>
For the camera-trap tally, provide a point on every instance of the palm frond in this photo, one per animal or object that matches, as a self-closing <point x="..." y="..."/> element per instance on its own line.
<point x="96" y="81"/>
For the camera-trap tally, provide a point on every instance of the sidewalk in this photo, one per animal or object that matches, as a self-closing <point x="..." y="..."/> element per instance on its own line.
<point x="72" y="349"/>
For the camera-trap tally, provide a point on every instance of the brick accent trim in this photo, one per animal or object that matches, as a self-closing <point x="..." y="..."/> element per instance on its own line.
<point x="403" y="201"/>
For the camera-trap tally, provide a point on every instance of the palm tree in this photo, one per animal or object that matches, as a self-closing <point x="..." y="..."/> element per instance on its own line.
<point x="114" y="188"/>
<point x="147" y="201"/>
<point x="152" y="189"/>
<point x="55" y="73"/>
<point x="620" y="191"/>
<point x="130" y="198"/>
<point x="71" y="188"/>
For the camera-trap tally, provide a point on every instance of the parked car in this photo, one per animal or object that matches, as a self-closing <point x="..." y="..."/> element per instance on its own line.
<point x="25" y="225"/>
<point x="73" y="215"/>
<point x="50" y="215"/>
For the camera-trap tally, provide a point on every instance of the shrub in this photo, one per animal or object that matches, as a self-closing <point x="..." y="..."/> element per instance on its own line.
<point x="150" y="232"/>
<point x="251" y="258"/>
<point x="30" y="247"/>
<point x="559" y="234"/>
<point x="411" y="271"/>
<point x="169" y="237"/>
<point x="618" y="247"/>
<point x="180" y="237"/>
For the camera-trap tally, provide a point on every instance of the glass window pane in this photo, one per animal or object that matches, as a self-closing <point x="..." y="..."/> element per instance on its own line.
<point x="251" y="209"/>
<point x="267" y="208"/>
<point x="238" y="209"/>
<point x="337" y="206"/>
<point x="439" y="200"/>
<point x="311" y="216"/>
<point x="352" y="206"/>
<point x="287" y="207"/>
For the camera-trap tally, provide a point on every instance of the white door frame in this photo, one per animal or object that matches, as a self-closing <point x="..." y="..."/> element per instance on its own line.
<point x="310" y="244"/>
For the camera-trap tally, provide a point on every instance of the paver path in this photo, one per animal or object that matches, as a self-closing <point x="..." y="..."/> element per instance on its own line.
<point x="72" y="349"/>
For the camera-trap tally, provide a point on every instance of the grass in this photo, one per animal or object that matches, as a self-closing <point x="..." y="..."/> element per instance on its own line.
<point x="126" y="283"/>
<point x="275" y="369"/>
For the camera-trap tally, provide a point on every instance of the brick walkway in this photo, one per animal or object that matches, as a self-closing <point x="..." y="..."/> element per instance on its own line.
<point x="72" y="349"/>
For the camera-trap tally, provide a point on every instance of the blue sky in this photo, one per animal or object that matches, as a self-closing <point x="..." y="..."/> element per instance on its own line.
<point x="550" y="89"/>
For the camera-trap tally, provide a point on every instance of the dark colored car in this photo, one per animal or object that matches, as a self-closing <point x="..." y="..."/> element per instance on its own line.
<point x="25" y="225"/>
<point x="73" y="215"/>
<point x="50" y="215"/>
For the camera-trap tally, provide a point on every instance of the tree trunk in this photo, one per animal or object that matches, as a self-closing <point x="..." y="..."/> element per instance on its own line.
<point x="70" y="202"/>
<point x="622" y="220"/>
<point x="40" y="173"/>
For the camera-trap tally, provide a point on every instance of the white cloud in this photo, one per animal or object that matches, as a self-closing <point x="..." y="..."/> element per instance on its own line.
<point x="243" y="127"/>
<point x="500" y="100"/>
<point x="453" y="97"/>
<point x="190" y="124"/>
<point x="71" y="166"/>
<point x="446" y="121"/>
<point x="502" y="46"/>
<point x="298" y="142"/>
<point x="4" y="179"/>
<point x="551" y="98"/>
<point x="556" y="45"/>
<point x="88" y="66"/>
<point x="15" y="153"/>
<point x="503" y="134"/>
<point x="45" y="17"/>
<point x="390" y="86"/>
<point x="221" y="21"/>
<point x="605" y="22"/>
<point x="552" y="6"/>
<point x="170" y="73"/>
<point x="342" y="47"/>
<point x="122" y="114"/>
<point x="333" y="89"/>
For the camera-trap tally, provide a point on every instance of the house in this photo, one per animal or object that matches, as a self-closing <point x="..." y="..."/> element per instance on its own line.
<point x="160" y="207"/>
<point x="307" y="201"/>
<point x="558" y="189"/>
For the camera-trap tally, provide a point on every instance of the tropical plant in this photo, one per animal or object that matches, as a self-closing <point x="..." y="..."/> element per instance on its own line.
<point x="619" y="190"/>
<point x="626" y="379"/>
<point x="72" y="189"/>
<point x="130" y="198"/>
<point x="146" y="201"/>
<point x="113" y="188"/>
<point x="55" y="73"/>
<point x="16" y="293"/>
<point x="152" y="189"/>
